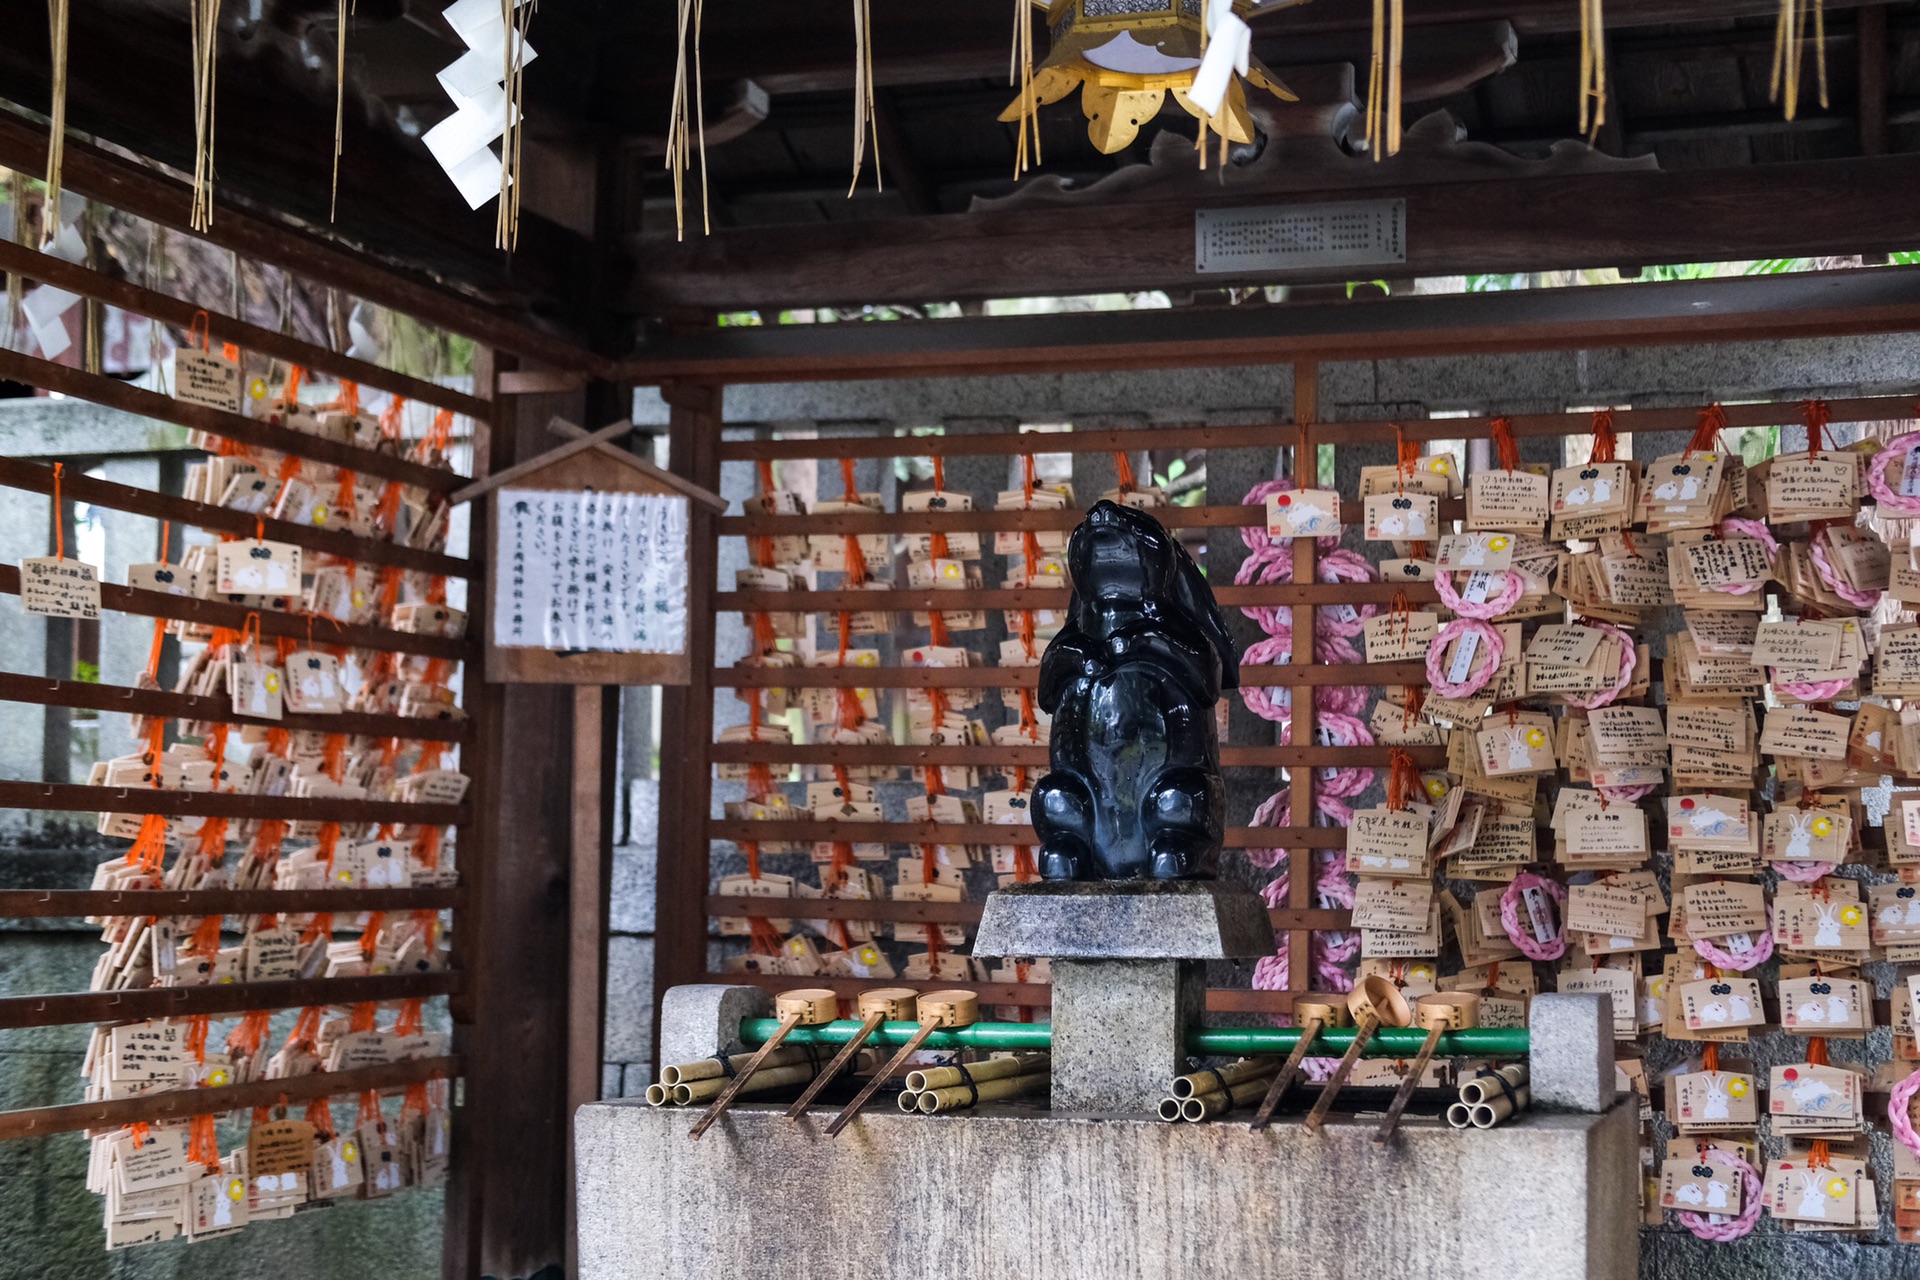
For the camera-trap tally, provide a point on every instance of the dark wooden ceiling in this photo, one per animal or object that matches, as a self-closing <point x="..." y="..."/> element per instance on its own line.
<point x="1690" y="89"/>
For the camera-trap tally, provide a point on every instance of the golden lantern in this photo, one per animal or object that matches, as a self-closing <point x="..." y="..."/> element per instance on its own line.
<point x="1127" y="55"/>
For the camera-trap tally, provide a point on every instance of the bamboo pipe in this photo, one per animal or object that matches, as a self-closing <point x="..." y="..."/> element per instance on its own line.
<point x="1170" y="1108"/>
<point x="709" y="1068"/>
<point x="810" y="1006"/>
<point x="954" y="1097"/>
<point x="1460" y="1115"/>
<point x="1497" y="1108"/>
<point x="768" y="1078"/>
<point x="979" y="1072"/>
<point x="1205" y="1106"/>
<point x="1212" y="1080"/>
<point x="884" y="1004"/>
<point x="1440" y="1012"/>
<point x="658" y="1095"/>
<point x="935" y="1009"/>
<point x="1314" y="1011"/>
<point x="1373" y="1002"/>
<point x="1484" y="1086"/>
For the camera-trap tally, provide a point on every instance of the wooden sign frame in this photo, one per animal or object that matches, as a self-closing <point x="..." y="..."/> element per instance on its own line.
<point x="581" y="466"/>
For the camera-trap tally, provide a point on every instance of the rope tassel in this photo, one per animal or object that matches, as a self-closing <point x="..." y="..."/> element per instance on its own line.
<point x="1383" y="79"/>
<point x="1593" y="69"/>
<point x="1789" y="48"/>
<point x="206" y="32"/>
<point x="687" y="129"/>
<point x="866" y="118"/>
<point x="57" y="116"/>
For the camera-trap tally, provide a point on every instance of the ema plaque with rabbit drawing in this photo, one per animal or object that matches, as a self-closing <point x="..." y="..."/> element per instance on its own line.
<point x="1131" y="681"/>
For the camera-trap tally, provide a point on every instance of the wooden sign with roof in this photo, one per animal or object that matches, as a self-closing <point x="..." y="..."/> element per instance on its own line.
<point x="587" y="583"/>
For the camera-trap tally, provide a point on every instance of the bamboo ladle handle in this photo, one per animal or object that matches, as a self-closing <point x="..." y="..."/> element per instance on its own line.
<point x="811" y="1006"/>
<point x="1312" y="1012"/>
<point x="1445" y="1011"/>
<point x="1373" y="1002"/>
<point x="937" y="1009"/>
<point x="876" y="1007"/>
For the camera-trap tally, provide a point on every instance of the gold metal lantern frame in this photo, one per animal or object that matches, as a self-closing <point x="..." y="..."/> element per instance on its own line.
<point x="1126" y="56"/>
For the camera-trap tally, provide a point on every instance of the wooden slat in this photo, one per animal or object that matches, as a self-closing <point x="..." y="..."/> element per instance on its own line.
<point x="1772" y="413"/>
<point x="1032" y="994"/>
<point x="1232" y="757"/>
<point x="235" y="997"/>
<point x="179" y="1104"/>
<point x="1007" y="444"/>
<point x="24" y="904"/>
<point x="124" y="396"/>
<point x="805" y="831"/>
<point x="1301" y="784"/>
<point x="33" y="477"/>
<point x="949" y="912"/>
<point x="902" y="599"/>
<point x="296" y="626"/>
<point x="223" y="328"/>
<point x="985" y="521"/>
<point x="858" y="522"/>
<point x="182" y="706"/>
<point x="79" y="798"/>
<point x="1329" y="673"/>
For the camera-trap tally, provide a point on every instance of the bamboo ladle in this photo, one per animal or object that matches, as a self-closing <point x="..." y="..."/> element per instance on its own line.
<point x="884" y="1004"/>
<point x="935" y="1009"/>
<point x="808" y="1007"/>
<point x="1311" y="1012"/>
<point x="1442" y="1011"/>
<point x="1376" y="1002"/>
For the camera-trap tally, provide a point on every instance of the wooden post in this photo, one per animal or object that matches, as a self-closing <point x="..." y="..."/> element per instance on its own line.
<point x="514" y="945"/>
<point x="686" y="716"/>
<point x="1306" y="474"/>
<point x="595" y="721"/>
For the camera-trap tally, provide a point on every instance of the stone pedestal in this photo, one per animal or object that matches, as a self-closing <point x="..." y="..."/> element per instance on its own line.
<point x="1128" y="978"/>
<point x="1012" y="1193"/>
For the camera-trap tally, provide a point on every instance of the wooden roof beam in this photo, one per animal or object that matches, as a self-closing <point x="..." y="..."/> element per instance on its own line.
<point x="1507" y="224"/>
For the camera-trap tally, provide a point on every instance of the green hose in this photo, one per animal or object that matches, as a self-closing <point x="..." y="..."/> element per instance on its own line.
<point x="1387" y="1042"/>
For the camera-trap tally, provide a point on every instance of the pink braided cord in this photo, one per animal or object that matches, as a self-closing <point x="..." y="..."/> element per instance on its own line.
<point x="1269" y="702"/>
<point x="1804" y="872"/>
<point x="1345" y="731"/>
<point x="1818" y="691"/>
<point x="1759" y="955"/>
<point x="1900" y="1110"/>
<point x="1629" y="656"/>
<point x="1720" y="1226"/>
<point x="1824" y="567"/>
<point x="1529" y="946"/>
<point x="1513" y="587"/>
<point x="1482" y="674"/>
<point x="1891" y="503"/>
<point x="1265" y="567"/>
<point x="1277" y="811"/>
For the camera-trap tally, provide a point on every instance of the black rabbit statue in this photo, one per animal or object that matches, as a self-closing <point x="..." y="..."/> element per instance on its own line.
<point x="1131" y="681"/>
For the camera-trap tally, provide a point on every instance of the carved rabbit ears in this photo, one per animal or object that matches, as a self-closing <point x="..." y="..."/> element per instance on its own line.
<point x="1158" y="570"/>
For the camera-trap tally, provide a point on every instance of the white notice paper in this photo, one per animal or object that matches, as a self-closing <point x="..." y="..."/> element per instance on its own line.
<point x="590" y="571"/>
